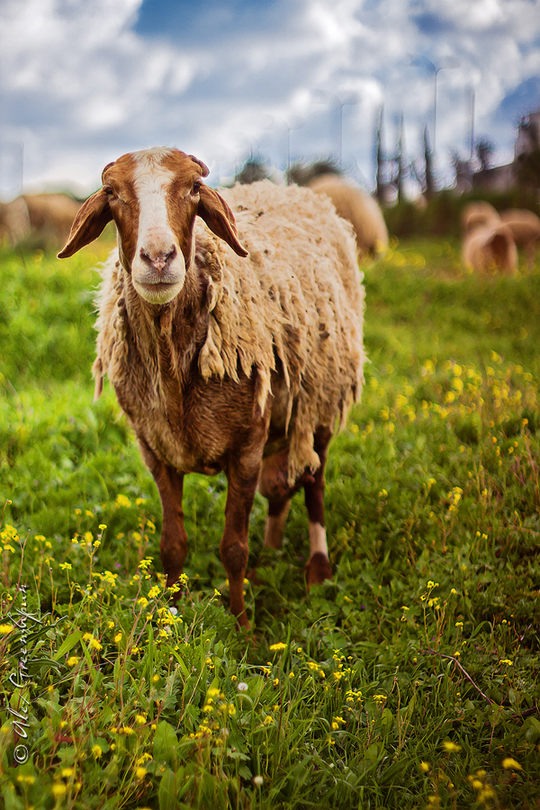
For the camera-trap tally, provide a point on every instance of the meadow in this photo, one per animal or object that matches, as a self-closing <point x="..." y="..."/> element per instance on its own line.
<point x="408" y="681"/>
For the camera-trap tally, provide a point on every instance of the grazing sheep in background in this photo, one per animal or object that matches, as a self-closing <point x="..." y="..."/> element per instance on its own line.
<point x="223" y="362"/>
<point x="44" y="219"/>
<point x="524" y="226"/>
<point x="490" y="248"/>
<point x="361" y="210"/>
<point x="14" y="222"/>
<point x="478" y="213"/>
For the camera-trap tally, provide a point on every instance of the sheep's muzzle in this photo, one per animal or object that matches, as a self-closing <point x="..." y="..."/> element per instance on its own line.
<point x="158" y="275"/>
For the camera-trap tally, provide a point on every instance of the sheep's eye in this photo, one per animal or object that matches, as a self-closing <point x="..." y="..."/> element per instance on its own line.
<point x="108" y="191"/>
<point x="196" y="187"/>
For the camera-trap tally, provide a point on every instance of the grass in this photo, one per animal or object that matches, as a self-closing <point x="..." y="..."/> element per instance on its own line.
<point x="408" y="681"/>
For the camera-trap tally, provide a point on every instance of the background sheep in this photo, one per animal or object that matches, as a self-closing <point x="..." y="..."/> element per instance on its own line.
<point x="42" y="219"/>
<point x="478" y="213"/>
<point x="222" y="362"/>
<point x="361" y="210"/>
<point x="490" y="247"/>
<point x="524" y="226"/>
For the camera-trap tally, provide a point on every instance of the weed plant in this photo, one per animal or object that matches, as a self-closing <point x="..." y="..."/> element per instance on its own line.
<point x="408" y="681"/>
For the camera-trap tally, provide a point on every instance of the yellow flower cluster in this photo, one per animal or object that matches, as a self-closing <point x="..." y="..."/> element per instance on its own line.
<point x="217" y="710"/>
<point x="483" y="790"/>
<point x="9" y="536"/>
<point x="92" y="641"/>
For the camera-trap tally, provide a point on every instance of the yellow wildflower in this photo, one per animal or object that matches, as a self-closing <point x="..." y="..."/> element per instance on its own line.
<point x="451" y="747"/>
<point x="277" y="647"/>
<point x="509" y="763"/>
<point x="93" y="643"/>
<point x="6" y="629"/>
<point x="26" y="779"/>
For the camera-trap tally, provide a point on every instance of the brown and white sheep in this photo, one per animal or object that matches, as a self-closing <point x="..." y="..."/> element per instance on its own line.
<point x="44" y="219"/>
<point x="222" y="362"/>
<point x="359" y="208"/>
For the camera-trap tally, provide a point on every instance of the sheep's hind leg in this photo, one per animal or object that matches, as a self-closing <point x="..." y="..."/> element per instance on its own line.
<point x="318" y="566"/>
<point x="278" y="510"/>
<point x="173" y="544"/>
<point x="274" y="486"/>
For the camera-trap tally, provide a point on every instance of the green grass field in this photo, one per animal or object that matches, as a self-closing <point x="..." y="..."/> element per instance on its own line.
<point x="409" y="681"/>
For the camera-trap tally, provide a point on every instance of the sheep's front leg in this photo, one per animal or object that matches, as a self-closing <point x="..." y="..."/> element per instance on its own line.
<point x="173" y="544"/>
<point x="242" y="483"/>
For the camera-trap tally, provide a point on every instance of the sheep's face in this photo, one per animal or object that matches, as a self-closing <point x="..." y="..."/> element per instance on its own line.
<point x="153" y="197"/>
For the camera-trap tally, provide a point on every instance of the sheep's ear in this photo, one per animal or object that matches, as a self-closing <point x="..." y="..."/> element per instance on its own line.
<point x="91" y="218"/>
<point x="219" y="218"/>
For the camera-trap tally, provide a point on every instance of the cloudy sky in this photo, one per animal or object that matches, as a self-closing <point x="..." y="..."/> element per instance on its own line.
<point x="82" y="81"/>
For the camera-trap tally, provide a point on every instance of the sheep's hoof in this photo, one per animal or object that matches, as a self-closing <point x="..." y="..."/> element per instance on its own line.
<point x="318" y="569"/>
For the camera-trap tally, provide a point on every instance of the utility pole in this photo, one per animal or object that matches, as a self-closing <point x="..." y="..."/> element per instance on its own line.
<point x="379" y="156"/>
<point x="471" y="123"/>
<point x="400" y="169"/>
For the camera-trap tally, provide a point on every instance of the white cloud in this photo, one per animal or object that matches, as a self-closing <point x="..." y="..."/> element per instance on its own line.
<point x="81" y="82"/>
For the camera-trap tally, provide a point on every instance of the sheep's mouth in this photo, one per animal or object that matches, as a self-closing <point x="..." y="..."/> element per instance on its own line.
<point x="160" y="292"/>
<point x="159" y="286"/>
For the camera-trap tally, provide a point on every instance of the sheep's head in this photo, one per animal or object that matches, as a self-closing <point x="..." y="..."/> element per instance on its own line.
<point x="153" y="197"/>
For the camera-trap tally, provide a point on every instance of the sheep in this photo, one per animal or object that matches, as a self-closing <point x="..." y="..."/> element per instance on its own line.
<point x="44" y="219"/>
<point x="357" y="207"/>
<point x="490" y="247"/>
<point x="223" y="362"/>
<point x="478" y="213"/>
<point x="524" y="226"/>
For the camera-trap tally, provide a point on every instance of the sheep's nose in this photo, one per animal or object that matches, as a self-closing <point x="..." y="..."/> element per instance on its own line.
<point x="159" y="260"/>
